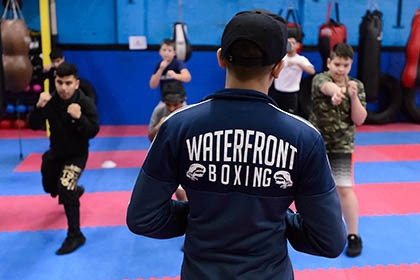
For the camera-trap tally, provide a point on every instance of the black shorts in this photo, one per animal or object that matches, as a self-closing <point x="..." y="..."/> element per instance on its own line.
<point x="60" y="176"/>
<point x="287" y="101"/>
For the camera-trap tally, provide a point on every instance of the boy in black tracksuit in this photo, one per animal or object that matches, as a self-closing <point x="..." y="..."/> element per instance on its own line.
<point x="73" y="120"/>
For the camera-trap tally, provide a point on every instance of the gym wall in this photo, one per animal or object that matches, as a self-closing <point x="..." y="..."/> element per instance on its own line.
<point x="94" y="35"/>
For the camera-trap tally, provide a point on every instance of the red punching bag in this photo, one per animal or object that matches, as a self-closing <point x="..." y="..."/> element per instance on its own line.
<point x="330" y="33"/>
<point x="411" y="73"/>
<point x="294" y="28"/>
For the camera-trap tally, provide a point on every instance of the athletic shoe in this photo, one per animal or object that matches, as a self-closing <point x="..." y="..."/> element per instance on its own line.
<point x="71" y="243"/>
<point x="354" y="245"/>
<point x="80" y="190"/>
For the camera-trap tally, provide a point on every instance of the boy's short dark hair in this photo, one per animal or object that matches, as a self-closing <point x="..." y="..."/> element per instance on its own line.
<point x="56" y="53"/>
<point x="173" y="91"/>
<point x="169" y="42"/>
<point x="342" y="50"/>
<point x="67" y="69"/>
<point x="174" y="97"/>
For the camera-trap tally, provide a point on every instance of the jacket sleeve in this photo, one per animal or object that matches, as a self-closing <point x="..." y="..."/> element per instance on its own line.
<point x="88" y="124"/>
<point x="151" y="211"/>
<point x="36" y="119"/>
<point x="318" y="227"/>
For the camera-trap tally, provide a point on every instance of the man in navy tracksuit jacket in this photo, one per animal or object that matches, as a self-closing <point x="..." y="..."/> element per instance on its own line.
<point x="242" y="162"/>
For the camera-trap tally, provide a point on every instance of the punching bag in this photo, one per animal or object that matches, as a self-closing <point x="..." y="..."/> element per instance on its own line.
<point x="182" y="45"/>
<point x="294" y="28"/>
<point x="410" y="78"/>
<point x="369" y="58"/>
<point x="330" y="33"/>
<point x="411" y="73"/>
<point x="15" y="41"/>
<point x="17" y="68"/>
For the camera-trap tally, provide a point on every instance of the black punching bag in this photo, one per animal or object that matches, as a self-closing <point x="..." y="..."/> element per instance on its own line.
<point x="369" y="57"/>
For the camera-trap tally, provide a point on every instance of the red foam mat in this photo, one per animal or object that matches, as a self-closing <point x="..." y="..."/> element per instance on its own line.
<point x="97" y="209"/>
<point x="389" y="272"/>
<point x="109" y="208"/>
<point x="24" y="133"/>
<point x="105" y="131"/>
<point x="391" y="127"/>
<point x="122" y="159"/>
<point x="387" y="153"/>
<point x="388" y="198"/>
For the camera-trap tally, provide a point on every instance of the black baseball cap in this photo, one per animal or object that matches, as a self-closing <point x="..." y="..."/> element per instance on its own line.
<point x="265" y="29"/>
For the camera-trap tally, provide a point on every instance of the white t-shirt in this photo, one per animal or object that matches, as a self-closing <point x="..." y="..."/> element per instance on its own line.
<point x="290" y="76"/>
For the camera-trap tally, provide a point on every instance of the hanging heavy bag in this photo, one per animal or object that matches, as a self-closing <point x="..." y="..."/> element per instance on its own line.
<point x="330" y="33"/>
<point x="15" y="37"/>
<point x="294" y="28"/>
<point x="410" y="78"/>
<point x="17" y="72"/>
<point x="17" y="68"/>
<point x="182" y="45"/>
<point x="369" y="57"/>
<point x="411" y="73"/>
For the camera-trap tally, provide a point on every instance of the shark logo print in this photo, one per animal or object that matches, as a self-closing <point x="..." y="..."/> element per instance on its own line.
<point x="196" y="171"/>
<point x="282" y="178"/>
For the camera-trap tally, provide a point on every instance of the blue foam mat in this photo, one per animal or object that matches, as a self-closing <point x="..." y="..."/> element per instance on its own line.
<point x="383" y="172"/>
<point x="116" y="253"/>
<point x="386" y="138"/>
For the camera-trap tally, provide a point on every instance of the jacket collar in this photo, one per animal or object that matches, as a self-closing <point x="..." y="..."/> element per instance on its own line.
<point x="241" y="94"/>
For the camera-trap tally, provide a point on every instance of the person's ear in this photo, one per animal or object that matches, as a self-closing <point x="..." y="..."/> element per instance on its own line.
<point x="276" y="69"/>
<point x="220" y="59"/>
<point x="328" y="62"/>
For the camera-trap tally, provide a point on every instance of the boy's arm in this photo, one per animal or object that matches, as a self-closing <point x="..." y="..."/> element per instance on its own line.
<point x="155" y="78"/>
<point x="183" y="76"/>
<point x="331" y="89"/>
<point x="358" y="111"/>
<point x="308" y="68"/>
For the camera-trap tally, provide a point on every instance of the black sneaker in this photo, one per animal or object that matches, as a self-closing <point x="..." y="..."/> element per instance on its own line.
<point x="80" y="191"/>
<point x="354" y="245"/>
<point x="71" y="243"/>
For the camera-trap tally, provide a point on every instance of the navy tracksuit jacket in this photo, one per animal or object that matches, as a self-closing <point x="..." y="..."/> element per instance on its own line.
<point x="242" y="162"/>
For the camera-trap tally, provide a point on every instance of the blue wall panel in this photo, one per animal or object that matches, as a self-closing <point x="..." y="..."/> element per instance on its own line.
<point x="121" y="79"/>
<point x="112" y="21"/>
<point x="86" y="22"/>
